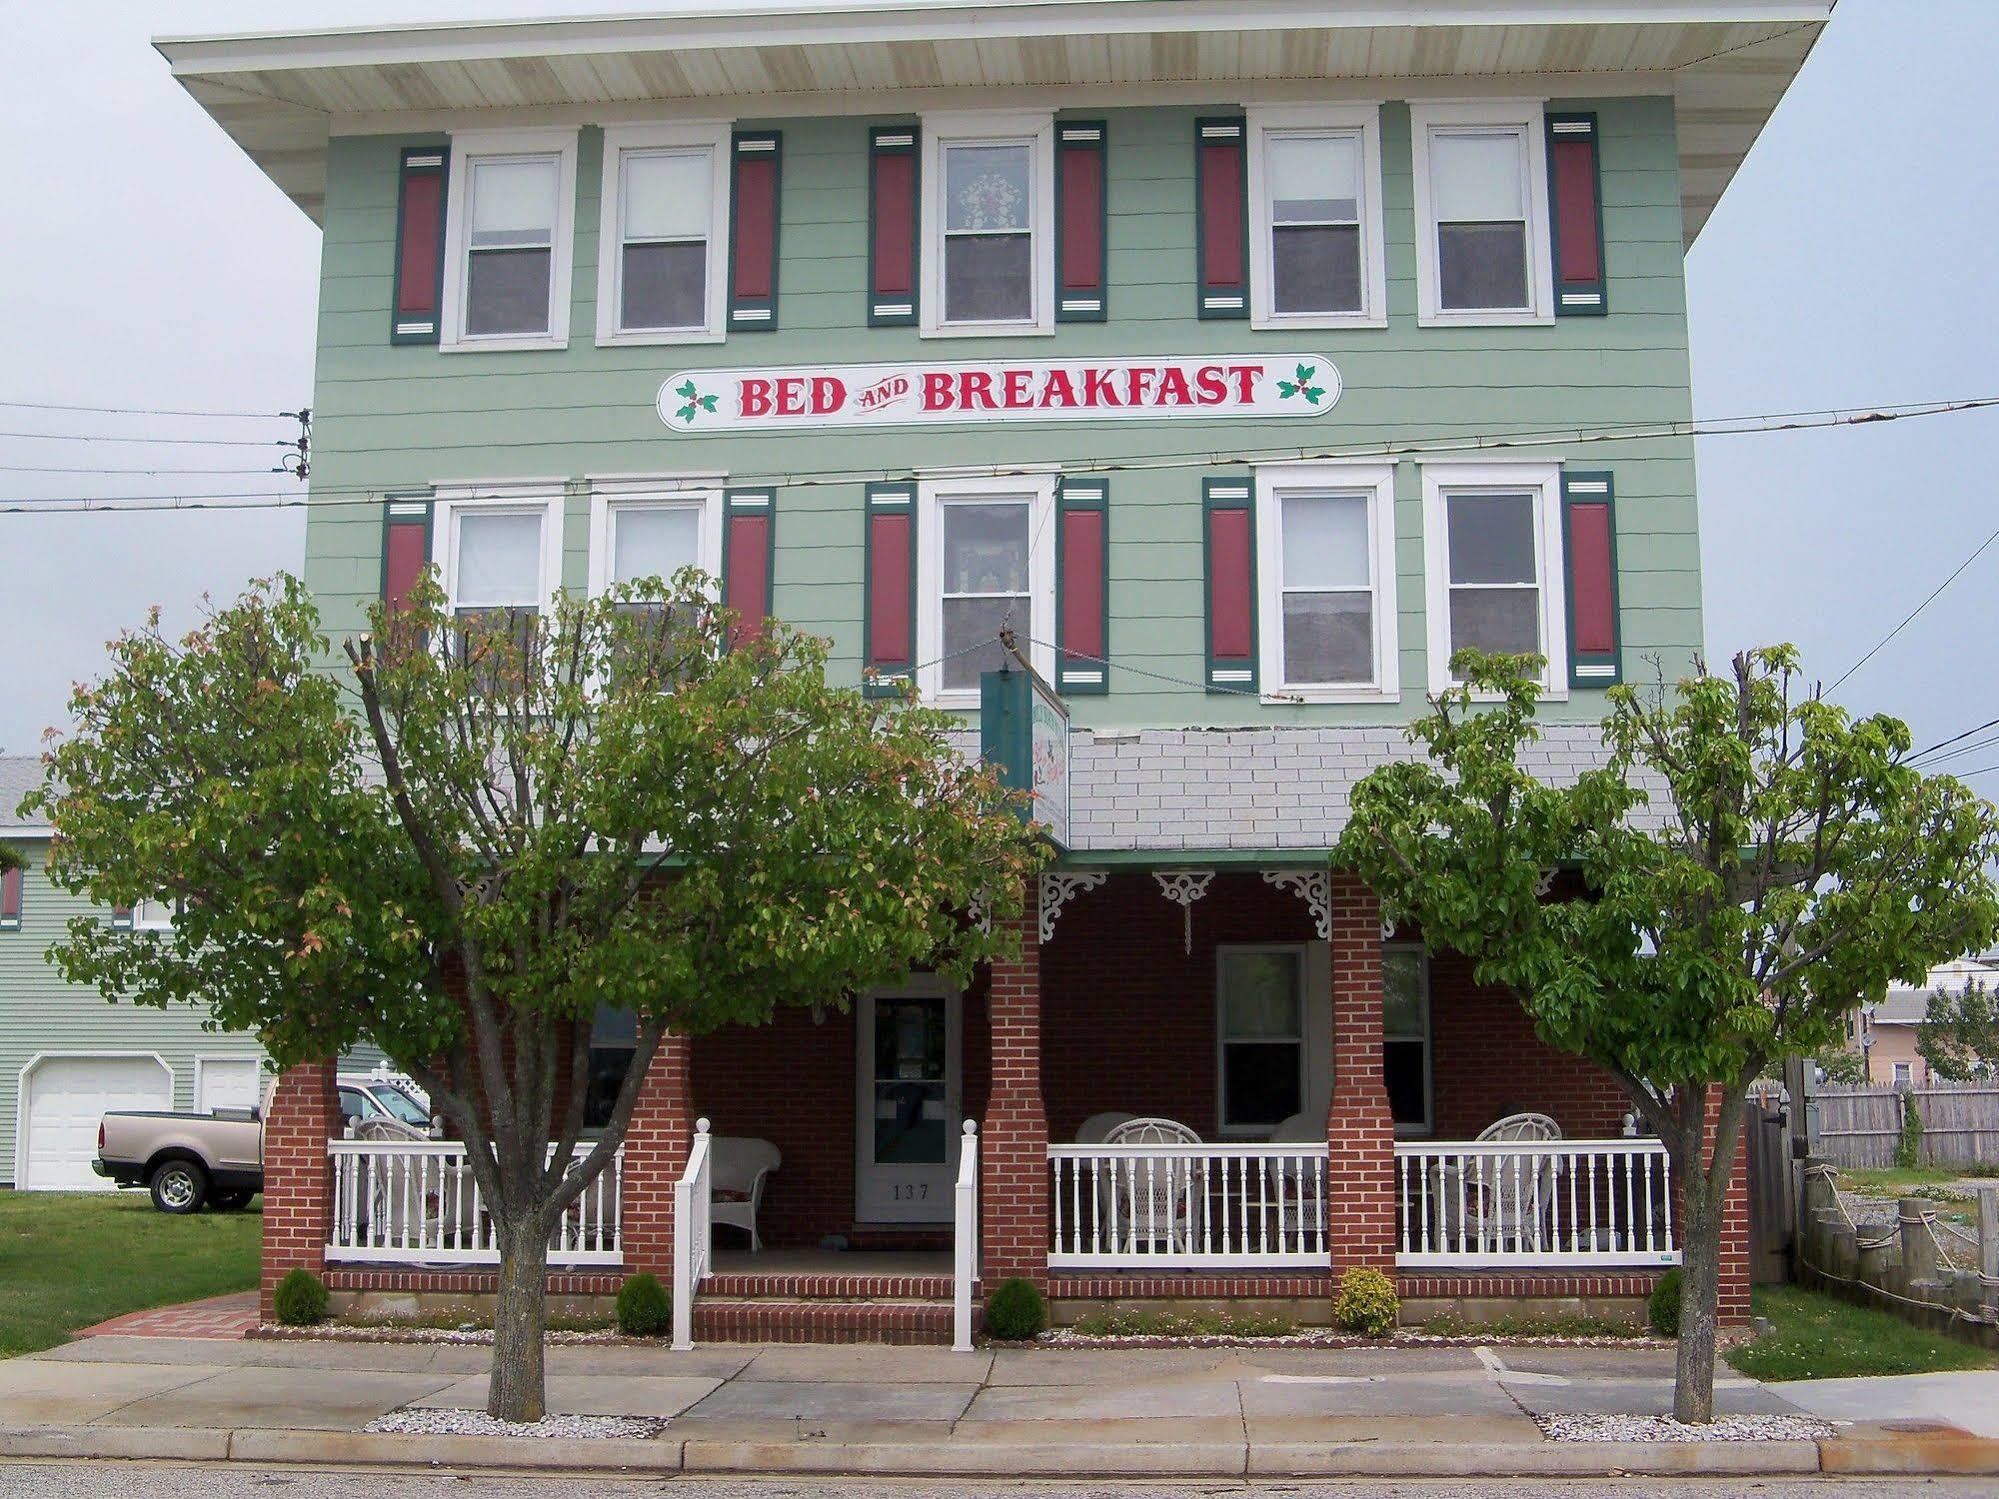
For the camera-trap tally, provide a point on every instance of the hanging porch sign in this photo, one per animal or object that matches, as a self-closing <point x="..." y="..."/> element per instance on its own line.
<point x="1024" y="732"/>
<point x="952" y="391"/>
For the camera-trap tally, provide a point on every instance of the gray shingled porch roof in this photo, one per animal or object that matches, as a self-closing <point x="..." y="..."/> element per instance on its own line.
<point x="19" y="774"/>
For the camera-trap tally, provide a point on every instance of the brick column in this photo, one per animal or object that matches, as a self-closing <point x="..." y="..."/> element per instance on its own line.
<point x="1013" y="1137"/>
<point x="1360" y="1132"/>
<point x="1732" y="1300"/>
<point x="656" y="1144"/>
<point x="298" y="1179"/>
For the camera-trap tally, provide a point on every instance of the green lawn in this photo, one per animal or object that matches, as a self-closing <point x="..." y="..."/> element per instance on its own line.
<point x="69" y="1261"/>
<point x="1899" y="1181"/>
<point x="1815" y="1336"/>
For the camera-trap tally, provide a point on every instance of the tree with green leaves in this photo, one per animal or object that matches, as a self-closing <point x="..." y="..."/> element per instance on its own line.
<point x="1748" y="866"/>
<point x="485" y="830"/>
<point x="1959" y="1036"/>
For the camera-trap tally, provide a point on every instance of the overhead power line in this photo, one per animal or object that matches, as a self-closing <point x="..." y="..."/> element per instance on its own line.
<point x="1909" y="618"/>
<point x="1990" y="723"/>
<point x="198" y="442"/>
<point x="260" y="416"/>
<point x="373" y="494"/>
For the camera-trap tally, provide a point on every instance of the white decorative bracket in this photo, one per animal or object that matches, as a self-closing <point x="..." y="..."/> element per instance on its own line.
<point x="1058" y="886"/>
<point x="1388" y="931"/>
<point x="1312" y="886"/>
<point x="1183" y="887"/>
<point x="981" y="914"/>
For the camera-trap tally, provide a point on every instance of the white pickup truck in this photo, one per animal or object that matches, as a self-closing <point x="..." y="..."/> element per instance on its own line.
<point x="188" y="1161"/>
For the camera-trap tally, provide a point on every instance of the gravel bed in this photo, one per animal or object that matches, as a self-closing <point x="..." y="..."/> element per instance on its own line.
<point x="448" y="1422"/>
<point x="391" y="1332"/>
<point x="1065" y="1338"/>
<point x="1603" y="1428"/>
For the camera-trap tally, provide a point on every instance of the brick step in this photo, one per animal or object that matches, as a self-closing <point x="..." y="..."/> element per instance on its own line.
<point x="735" y="1321"/>
<point x="744" y="1285"/>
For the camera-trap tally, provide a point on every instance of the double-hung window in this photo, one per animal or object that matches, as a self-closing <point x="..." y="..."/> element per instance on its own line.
<point x="1493" y="556"/>
<point x="663" y="234"/>
<point x="1315" y="214"/>
<point x="988" y="200"/>
<point x="1326" y="533"/>
<point x="1405" y="1034"/>
<point x="1260" y="1000"/>
<point x="644" y="530"/>
<point x="509" y="228"/>
<point x="499" y="554"/>
<point x="988" y="566"/>
<point x="1482" y="237"/>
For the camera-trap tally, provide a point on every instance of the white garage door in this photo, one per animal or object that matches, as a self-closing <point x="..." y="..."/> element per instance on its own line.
<point x="225" y="1083"/>
<point x="66" y="1098"/>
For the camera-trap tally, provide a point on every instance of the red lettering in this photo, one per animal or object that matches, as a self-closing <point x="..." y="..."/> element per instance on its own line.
<point x="1098" y="390"/>
<point x="829" y="394"/>
<point x="975" y="384"/>
<point x="1135" y="380"/>
<point x="936" y="390"/>
<point x="1173" y="387"/>
<point x="1213" y="388"/>
<point x="791" y="396"/>
<point x="1058" y="391"/>
<point x="1245" y="379"/>
<point x="753" y="395"/>
<point x="1017" y="393"/>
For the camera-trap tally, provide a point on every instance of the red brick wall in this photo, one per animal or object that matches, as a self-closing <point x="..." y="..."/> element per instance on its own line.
<point x="656" y="1144"/>
<point x="1013" y="1154"/>
<point x="1360" y="1178"/>
<point x="298" y="1182"/>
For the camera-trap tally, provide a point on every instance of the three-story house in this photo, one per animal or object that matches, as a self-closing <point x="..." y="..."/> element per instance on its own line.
<point x="1236" y="360"/>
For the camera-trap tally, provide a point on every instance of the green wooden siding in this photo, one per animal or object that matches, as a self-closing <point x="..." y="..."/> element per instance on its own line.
<point x="41" y="1013"/>
<point x="396" y="417"/>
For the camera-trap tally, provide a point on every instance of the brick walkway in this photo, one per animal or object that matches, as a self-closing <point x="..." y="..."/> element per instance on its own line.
<point x="230" y="1316"/>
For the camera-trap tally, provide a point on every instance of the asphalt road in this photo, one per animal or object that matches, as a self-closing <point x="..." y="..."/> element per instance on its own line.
<point x="105" y="1480"/>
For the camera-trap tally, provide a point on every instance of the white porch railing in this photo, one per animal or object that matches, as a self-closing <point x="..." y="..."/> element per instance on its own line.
<point x="692" y="1235"/>
<point x="416" y="1202"/>
<point x="1188" y="1206"/>
<point x="1522" y="1203"/>
<point x="965" y="1239"/>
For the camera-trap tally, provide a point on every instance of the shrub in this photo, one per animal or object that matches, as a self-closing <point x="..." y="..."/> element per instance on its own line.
<point x="300" y="1299"/>
<point x="1662" y="1307"/>
<point x="644" y="1308"/>
<point x="1367" y="1303"/>
<point x="1015" y="1311"/>
<point x="1909" y="1149"/>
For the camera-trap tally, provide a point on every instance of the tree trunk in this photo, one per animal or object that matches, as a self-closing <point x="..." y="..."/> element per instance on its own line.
<point x="514" y="1391"/>
<point x="1700" y="1294"/>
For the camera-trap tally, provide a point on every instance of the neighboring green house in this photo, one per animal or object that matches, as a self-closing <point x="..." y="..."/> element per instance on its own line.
<point x="66" y="1053"/>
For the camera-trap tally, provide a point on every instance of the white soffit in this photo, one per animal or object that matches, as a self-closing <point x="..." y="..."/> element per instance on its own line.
<point x="278" y="94"/>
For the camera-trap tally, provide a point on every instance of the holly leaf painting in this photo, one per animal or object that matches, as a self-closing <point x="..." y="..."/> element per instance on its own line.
<point x="1301" y="386"/>
<point x="685" y="390"/>
<point x="685" y="413"/>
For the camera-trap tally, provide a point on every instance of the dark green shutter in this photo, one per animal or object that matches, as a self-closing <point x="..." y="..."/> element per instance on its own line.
<point x="415" y="313"/>
<point x="1082" y="587"/>
<point x="1589" y="546"/>
<point x="894" y="259"/>
<point x="1228" y="534"/>
<point x="888" y="626"/>
<point x="1575" y="206"/>
<point x="1221" y="217"/>
<point x="756" y="168"/>
<point x="1082" y="293"/>
<point x="749" y="531"/>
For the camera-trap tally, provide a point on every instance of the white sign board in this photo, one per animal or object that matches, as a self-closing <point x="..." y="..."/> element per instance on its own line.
<point x="954" y="392"/>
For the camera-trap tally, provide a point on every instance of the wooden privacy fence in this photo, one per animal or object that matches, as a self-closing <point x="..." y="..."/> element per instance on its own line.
<point x="1859" y="1125"/>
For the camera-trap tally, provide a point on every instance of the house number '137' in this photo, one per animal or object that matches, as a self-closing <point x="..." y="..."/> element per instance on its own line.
<point x="911" y="1191"/>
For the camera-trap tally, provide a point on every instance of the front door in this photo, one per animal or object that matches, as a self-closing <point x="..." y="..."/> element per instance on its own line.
<point x="906" y="1145"/>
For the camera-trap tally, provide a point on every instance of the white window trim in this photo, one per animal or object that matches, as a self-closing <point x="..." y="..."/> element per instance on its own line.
<point x="1428" y="1124"/>
<point x="153" y="923"/>
<point x="1526" y="115"/>
<point x="709" y="134"/>
<point x="939" y="130"/>
<point x="608" y="498"/>
<point x="467" y="147"/>
<point x="932" y="495"/>
<point x="1304" y="1037"/>
<point x="1363" y="120"/>
<point x="1377" y="482"/>
<point x="1544" y="482"/>
<point x="502" y="499"/>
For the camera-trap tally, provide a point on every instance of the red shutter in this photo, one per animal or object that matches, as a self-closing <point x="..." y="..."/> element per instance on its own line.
<point x="121" y="915"/>
<point x="1230" y="534"/>
<point x="890" y="625"/>
<point x="10" y="897"/>
<point x="1079" y="176"/>
<point x="753" y="226"/>
<point x="1590" y="537"/>
<point x="747" y="535"/>
<point x="1222" y="213"/>
<point x="892" y="229"/>
<point x="405" y="548"/>
<point x="1082" y="617"/>
<point x="1576" y="204"/>
<point x="419" y="245"/>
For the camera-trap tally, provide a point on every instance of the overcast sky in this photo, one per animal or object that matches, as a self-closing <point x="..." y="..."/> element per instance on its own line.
<point x="150" y="265"/>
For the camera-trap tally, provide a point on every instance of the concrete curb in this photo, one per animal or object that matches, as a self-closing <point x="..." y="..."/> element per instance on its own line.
<point x="1907" y="1455"/>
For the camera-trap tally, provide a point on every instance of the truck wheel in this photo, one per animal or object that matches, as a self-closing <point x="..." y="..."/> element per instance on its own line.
<point x="230" y="1202"/>
<point x="179" y="1187"/>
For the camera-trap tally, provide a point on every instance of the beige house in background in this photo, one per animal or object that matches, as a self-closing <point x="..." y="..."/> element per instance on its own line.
<point x="1885" y="1034"/>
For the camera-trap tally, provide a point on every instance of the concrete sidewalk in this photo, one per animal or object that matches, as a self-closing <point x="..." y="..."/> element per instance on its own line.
<point x="872" y="1410"/>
